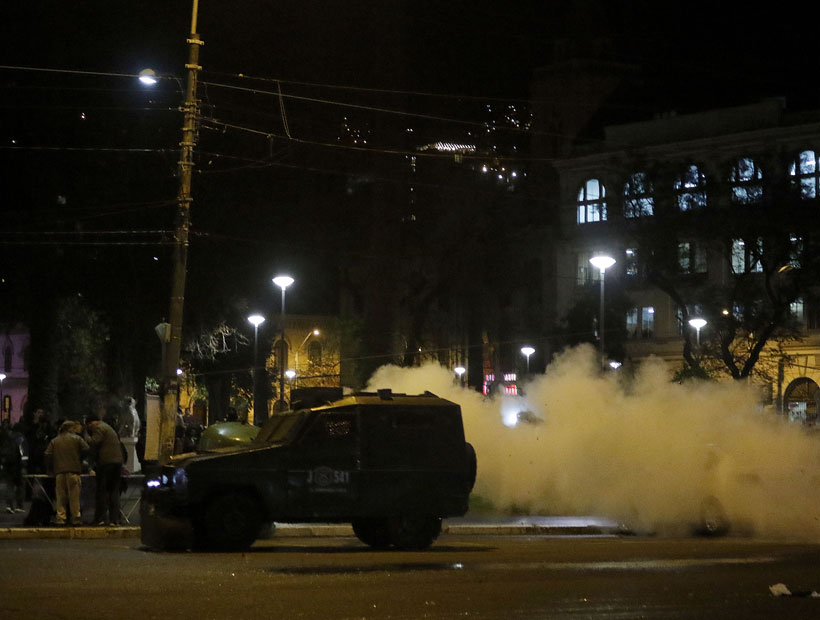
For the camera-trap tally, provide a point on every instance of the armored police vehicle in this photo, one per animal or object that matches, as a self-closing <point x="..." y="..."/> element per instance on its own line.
<point x="392" y="465"/>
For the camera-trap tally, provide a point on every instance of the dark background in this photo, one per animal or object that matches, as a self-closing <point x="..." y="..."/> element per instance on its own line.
<point x="89" y="157"/>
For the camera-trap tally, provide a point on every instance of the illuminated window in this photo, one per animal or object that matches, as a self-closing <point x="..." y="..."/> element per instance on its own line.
<point x="745" y="179"/>
<point x="639" y="197"/>
<point x="690" y="188"/>
<point x="640" y="322"/>
<point x="796" y="310"/>
<point x="591" y="202"/>
<point x="631" y="262"/>
<point x="691" y="257"/>
<point x="795" y="250"/>
<point x="804" y="172"/>
<point x="745" y="257"/>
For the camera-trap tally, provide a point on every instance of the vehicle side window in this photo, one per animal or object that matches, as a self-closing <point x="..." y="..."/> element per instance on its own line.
<point x="332" y="435"/>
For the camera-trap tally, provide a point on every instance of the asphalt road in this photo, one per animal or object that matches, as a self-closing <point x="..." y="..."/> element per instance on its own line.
<point x="483" y="577"/>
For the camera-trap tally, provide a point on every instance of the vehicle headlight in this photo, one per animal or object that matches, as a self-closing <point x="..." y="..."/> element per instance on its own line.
<point x="180" y="480"/>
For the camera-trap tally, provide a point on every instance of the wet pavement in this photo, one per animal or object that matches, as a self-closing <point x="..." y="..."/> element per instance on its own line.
<point x="12" y="526"/>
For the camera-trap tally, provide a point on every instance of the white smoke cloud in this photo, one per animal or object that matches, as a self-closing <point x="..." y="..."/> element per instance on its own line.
<point x="647" y="453"/>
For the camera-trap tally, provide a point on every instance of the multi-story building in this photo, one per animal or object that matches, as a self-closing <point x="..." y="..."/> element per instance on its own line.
<point x="711" y="215"/>
<point x="14" y="382"/>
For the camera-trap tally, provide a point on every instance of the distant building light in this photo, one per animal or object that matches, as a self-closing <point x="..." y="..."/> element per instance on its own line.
<point x="448" y="147"/>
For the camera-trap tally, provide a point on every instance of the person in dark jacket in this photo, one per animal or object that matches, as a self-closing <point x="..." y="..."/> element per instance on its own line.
<point x="64" y="458"/>
<point x="107" y="454"/>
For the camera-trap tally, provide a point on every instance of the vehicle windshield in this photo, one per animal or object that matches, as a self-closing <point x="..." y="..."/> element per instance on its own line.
<point x="281" y="428"/>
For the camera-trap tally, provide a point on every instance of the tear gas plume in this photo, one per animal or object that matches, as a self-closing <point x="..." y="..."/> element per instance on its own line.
<point x="649" y="453"/>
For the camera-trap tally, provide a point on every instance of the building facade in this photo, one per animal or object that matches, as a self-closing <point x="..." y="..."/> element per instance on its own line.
<point x="709" y="216"/>
<point x="14" y="383"/>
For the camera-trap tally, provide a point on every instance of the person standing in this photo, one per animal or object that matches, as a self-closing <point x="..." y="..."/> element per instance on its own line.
<point x="64" y="457"/>
<point x="11" y="467"/>
<point x="107" y="454"/>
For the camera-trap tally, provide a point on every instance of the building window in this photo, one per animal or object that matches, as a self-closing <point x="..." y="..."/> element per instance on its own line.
<point x="691" y="257"/>
<point x="746" y="180"/>
<point x="746" y="256"/>
<point x="7" y="356"/>
<point x="639" y="197"/>
<point x="591" y="202"/>
<point x="640" y="322"/>
<point x="315" y="352"/>
<point x="690" y="188"/>
<point x="804" y="172"/>
<point x="631" y="262"/>
<point x="795" y="250"/>
<point x="796" y="311"/>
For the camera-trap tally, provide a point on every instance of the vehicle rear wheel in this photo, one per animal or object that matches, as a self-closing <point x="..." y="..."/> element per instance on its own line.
<point x="414" y="533"/>
<point x="472" y="464"/>
<point x="373" y="532"/>
<point x="230" y="522"/>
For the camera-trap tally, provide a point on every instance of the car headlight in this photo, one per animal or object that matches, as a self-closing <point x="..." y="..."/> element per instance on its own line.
<point x="180" y="480"/>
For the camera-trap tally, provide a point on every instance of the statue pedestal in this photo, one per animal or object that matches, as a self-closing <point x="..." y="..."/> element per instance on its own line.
<point x="132" y="463"/>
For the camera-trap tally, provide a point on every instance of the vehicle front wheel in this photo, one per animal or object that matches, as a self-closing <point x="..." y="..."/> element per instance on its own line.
<point x="414" y="533"/>
<point x="373" y="532"/>
<point x="230" y="522"/>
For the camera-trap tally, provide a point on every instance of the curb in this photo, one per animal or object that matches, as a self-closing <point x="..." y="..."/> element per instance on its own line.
<point x="287" y="530"/>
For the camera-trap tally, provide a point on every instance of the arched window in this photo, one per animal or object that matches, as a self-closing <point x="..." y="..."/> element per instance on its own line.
<point x="800" y="401"/>
<point x="591" y="202"/>
<point x="315" y="352"/>
<point x="7" y="356"/>
<point x="639" y="199"/>
<point x="804" y="172"/>
<point x="746" y="180"/>
<point x="690" y="188"/>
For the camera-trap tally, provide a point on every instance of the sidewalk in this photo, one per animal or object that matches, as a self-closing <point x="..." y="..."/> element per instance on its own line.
<point x="11" y="527"/>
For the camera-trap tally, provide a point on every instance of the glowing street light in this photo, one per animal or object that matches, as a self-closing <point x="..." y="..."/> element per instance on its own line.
<point x="602" y="263"/>
<point x="147" y="77"/>
<point x="527" y="350"/>
<point x="256" y="320"/>
<point x="283" y="282"/>
<point x="698" y="324"/>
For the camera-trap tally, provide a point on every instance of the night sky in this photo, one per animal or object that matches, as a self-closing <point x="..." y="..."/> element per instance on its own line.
<point x="369" y="54"/>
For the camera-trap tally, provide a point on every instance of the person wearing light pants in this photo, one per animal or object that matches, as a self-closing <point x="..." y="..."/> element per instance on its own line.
<point x="64" y="457"/>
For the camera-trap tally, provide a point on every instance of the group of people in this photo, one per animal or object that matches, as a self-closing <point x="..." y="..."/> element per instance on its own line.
<point x="64" y="456"/>
<point x="74" y="449"/>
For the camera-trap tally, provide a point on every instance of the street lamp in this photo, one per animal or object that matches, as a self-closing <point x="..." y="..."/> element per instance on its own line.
<point x="170" y="362"/>
<point x="698" y="324"/>
<point x="283" y="282"/>
<point x="603" y="263"/>
<point x="147" y="77"/>
<point x="459" y="370"/>
<point x="256" y="320"/>
<point x="527" y="350"/>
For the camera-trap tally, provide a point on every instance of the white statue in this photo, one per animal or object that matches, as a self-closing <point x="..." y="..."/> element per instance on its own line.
<point x="130" y="420"/>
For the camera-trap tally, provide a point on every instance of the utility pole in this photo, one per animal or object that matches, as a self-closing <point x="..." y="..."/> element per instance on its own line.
<point x="169" y="386"/>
